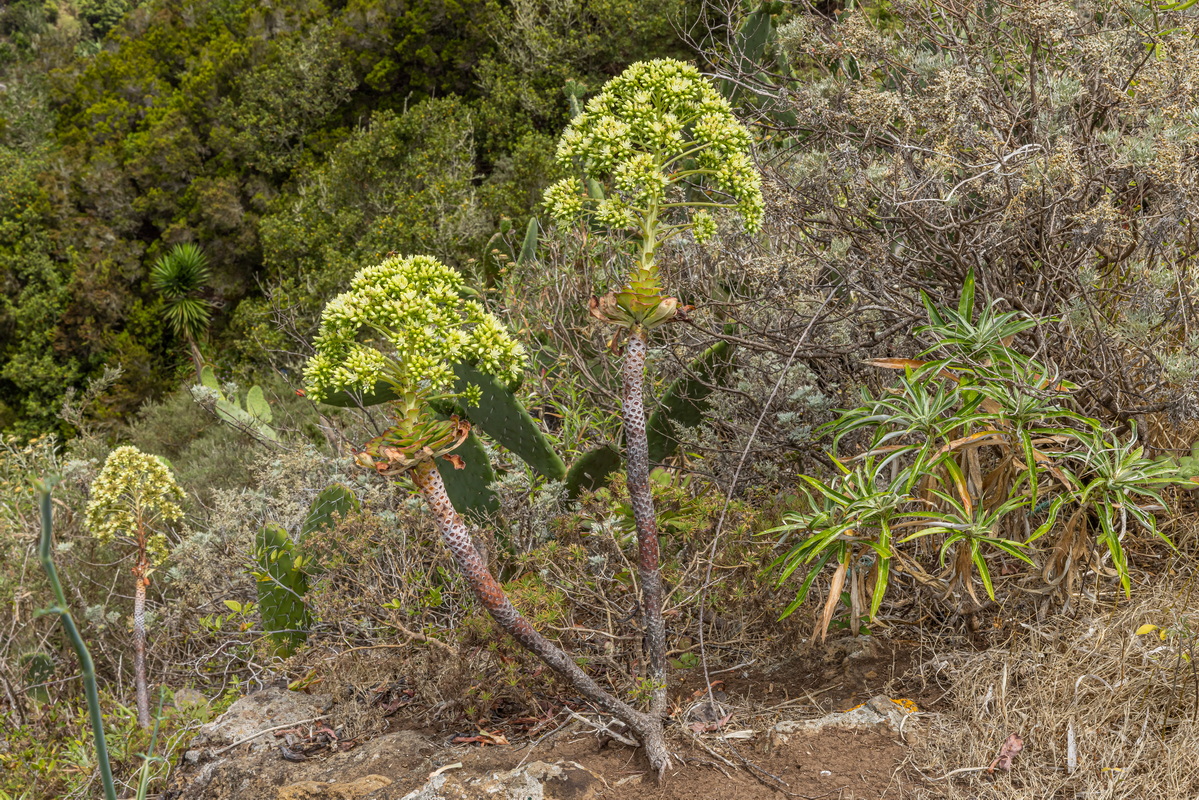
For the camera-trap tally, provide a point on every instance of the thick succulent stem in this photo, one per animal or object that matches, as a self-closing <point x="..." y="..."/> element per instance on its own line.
<point x="637" y="457"/>
<point x="647" y="727"/>
<point x="139" y="643"/>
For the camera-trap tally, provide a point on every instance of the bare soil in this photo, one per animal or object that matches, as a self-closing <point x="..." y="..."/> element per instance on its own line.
<point x="861" y="764"/>
<point x="840" y="764"/>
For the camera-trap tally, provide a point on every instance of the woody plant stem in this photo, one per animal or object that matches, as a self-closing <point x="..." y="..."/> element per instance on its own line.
<point x="637" y="474"/>
<point x="647" y="727"/>
<point x="637" y="480"/>
<point x="141" y="571"/>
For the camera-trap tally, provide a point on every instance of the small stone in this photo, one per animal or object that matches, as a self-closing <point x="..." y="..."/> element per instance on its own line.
<point x="880" y="710"/>
<point x="538" y="780"/>
<point x="258" y="712"/>
<point x="189" y="698"/>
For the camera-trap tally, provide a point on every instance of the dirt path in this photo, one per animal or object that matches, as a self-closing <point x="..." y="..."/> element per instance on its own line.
<point x="755" y="761"/>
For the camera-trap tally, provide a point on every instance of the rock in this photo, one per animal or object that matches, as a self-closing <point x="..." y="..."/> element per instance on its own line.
<point x="538" y="780"/>
<point x="861" y="648"/>
<point x="369" y="769"/>
<point x="316" y="790"/>
<point x="258" y="712"/>
<point x="189" y="698"/>
<point x="880" y="710"/>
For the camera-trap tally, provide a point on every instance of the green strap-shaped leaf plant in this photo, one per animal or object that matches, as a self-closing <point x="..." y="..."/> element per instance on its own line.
<point x="180" y="277"/>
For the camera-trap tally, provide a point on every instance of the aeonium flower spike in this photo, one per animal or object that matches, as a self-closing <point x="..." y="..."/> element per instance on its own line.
<point x="669" y="152"/>
<point x="404" y="322"/>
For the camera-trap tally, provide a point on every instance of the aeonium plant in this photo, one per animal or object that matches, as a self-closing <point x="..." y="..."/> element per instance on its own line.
<point x="660" y="152"/>
<point x="134" y="500"/>
<point x="405" y="321"/>
<point x="669" y="153"/>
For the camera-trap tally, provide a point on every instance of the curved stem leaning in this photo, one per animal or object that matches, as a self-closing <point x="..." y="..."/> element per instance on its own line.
<point x="647" y="727"/>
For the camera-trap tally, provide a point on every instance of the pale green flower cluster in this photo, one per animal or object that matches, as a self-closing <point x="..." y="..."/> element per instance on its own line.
<point x="656" y="124"/>
<point x="565" y="199"/>
<point x="405" y="319"/>
<point x="703" y="227"/>
<point x="134" y="488"/>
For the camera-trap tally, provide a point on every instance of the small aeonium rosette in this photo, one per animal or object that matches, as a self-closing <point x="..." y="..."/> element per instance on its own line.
<point x="134" y="491"/>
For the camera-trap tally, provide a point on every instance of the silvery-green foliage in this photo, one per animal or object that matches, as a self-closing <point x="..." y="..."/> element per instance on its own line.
<point x="784" y="441"/>
<point x="528" y="508"/>
<point x="100" y="617"/>
<point x="1047" y="146"/>
<point x="211" y="562"/>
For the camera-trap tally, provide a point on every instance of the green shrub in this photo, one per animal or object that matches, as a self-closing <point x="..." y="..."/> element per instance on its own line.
<point x="979" y="449"/>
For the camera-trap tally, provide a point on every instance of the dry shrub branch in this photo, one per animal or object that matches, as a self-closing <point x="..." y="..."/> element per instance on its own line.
<point x="1049" y="147"/>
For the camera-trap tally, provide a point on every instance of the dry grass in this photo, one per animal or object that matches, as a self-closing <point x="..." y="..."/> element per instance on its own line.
<point x="1104" y="712"/>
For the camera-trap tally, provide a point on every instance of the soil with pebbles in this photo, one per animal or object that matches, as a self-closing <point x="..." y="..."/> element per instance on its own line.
<point x="566" y="759"/>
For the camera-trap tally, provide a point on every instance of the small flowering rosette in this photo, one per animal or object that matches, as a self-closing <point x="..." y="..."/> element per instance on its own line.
<point x="134" y="495"/>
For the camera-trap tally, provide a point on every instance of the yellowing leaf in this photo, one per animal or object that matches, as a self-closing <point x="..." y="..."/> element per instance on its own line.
<point x="1148" y="627"/>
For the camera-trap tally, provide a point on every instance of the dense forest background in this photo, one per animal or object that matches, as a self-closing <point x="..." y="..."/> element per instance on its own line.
<point x="289" y="140"/>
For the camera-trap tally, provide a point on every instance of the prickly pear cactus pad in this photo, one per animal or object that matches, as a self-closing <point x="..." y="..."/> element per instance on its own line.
<point x="404" y="320"/>
<point x="659" y="124"/>
<point x="133" y="491"/>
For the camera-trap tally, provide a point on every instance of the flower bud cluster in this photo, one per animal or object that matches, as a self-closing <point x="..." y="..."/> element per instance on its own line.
<point x="134" y="487"/>
<point x="405" y="319"/>
<point x="657" y="123"/>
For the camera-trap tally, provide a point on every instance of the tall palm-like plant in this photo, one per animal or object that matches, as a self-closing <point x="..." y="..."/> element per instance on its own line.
<point x="179" y="276"/>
